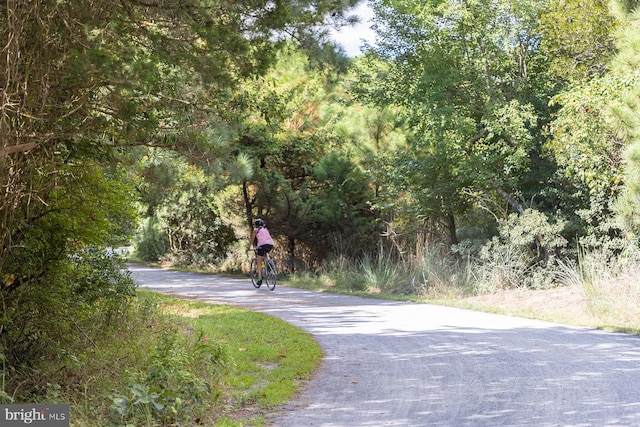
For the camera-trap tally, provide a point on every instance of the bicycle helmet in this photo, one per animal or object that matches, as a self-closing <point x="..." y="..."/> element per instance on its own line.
<point x="259" y="222"/>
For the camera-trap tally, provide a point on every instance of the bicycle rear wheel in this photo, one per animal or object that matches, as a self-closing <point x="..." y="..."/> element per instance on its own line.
<point x="253" y="272"/>
<point x="270" y="274"/>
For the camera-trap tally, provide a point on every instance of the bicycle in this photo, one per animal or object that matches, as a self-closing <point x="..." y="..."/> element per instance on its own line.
<point x="269" y="272"/>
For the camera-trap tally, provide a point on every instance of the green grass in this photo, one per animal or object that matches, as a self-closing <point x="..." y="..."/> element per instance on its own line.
<point x="267" y="358"/>
<point x="270" y="357"/>
<point x="175" y="362"/>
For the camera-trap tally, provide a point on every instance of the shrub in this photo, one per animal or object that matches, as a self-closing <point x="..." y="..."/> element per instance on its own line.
<point x="172" y="388"/>
<point x="151" y="243"/>
<point x="189" y="231"/>
<point x="61" y="315"/>
<point x="524" y="254"/>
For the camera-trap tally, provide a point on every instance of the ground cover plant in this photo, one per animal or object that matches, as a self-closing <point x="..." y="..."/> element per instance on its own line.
<point x="171" y="362"/>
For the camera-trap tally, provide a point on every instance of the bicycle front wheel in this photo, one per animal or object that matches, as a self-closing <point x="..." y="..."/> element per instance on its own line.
<point x="253" y="272"/>
<point x="270" y="274"/>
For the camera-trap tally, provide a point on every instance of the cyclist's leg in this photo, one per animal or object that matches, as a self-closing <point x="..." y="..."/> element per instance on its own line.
<point x="260" y="263"/>
<point x="260" y="253"/>
<point x="269" y="268"/>
<point x="254" y="272"/>
<point x="267" y="257"/>
<point x="269" y="263"/>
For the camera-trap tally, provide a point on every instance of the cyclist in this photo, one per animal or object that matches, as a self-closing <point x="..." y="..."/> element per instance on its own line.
<point x="264" y="244"/>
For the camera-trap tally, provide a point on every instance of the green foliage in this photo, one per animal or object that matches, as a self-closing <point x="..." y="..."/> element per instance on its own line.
<point x="87" y="207"/>
<point x="169" y="362"/>
<point x="99" y="279"/>
<point x="183" y="225"/>
<point x="584" y="143"/>
<point x="58" y="293"/>
<point x="577" y="35"/>
<point x="525" y="254"/>
<point x="147" y="368"/>
<point x="385" y="275"/>
<point x="156" y="170"/>
<point x="85" y="81"/>
<point x="294" y="166"/>
<point x="57" y="315"/>
<point x="468" y="80"/>
<point x="343" y="205"/>
<point x="151" y="243"/>
<point x="625" y="118"/>
<point x="174" y="385"/>
<point x="189" y="216"/>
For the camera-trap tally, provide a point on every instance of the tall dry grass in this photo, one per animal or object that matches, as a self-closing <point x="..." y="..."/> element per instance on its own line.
<point x="610" y="286"/>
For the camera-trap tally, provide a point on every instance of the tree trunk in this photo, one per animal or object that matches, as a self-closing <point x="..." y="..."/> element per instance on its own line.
<point x="451" y="226"/>
<point x="248" y="204"/>
<point x="292" y="254"/>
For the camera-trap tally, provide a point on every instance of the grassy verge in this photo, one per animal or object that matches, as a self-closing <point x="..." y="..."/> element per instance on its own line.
<point x="183" y="363"/>
<point x="268" y="357"/>
<point x="597" y="300"/>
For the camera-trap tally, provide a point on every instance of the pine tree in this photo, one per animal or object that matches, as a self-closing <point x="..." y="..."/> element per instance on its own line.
<point x="626" y="108"/>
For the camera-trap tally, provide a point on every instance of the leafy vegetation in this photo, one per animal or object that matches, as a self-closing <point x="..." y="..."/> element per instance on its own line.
<point x="478" y="145"/>
<point x="174" y="363"/>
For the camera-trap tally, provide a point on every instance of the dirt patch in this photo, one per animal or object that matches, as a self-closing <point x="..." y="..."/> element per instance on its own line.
<point x="559" y="304"/>
<point x="612" y="305"/>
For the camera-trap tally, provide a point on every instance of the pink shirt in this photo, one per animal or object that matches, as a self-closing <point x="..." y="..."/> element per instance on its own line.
<point x="264" y="238"/>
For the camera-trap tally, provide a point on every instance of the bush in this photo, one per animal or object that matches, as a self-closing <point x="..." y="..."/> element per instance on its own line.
<point x="172" y="388"/>
<point x="42" y="322"/>
<point x="150" y="243"/>
<point x="429" y="271"/>
<point x="525" y="254"/>
<point x="186" y="228"/>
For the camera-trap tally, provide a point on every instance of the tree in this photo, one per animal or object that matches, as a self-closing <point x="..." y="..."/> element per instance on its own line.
<point x="625" y="112"/>
<point x="589" y="154"/>
<point x="82" y="79"/>
<point x="295" y="161"/>
<point x="190" y="218"/>
<point x="281" y="135"/>
<point x="343" y="211"/>
<point x="577" y="35"/>
<point x="473" y="89"/>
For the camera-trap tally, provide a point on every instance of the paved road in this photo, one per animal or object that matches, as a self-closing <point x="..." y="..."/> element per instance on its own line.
<point x="402" y="364"/>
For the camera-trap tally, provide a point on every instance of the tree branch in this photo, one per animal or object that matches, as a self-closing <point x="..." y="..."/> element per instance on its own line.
<point x="512" y="202"/>
<point x="21" y="148"/>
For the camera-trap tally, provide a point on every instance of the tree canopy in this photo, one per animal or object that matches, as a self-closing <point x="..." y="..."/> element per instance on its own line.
<point x="470" y="84"/>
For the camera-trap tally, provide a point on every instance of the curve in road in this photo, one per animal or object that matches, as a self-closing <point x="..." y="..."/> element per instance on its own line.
<point x="403" y="364"/>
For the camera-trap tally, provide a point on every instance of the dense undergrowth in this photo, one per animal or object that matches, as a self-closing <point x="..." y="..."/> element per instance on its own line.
<point x="123" y="357"/>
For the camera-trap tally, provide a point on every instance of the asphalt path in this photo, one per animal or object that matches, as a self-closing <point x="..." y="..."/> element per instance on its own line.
<point x="403" y="364"/>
